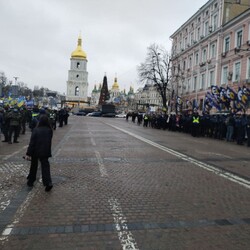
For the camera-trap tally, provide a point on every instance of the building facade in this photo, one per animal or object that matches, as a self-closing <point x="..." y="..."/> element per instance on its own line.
<point x="147" y="99"/>
<point x="204" y="50"/>
<point x="77" y="84"/>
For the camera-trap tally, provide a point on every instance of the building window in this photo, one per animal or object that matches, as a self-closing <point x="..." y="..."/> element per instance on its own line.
<point x="239" y="37"/>
<point x="206" y="28"/>
<point x="195" y="83"/>
<point x="215" y="22"/>
<point x="180" y="44"/>
<point x="226" y="44"/>
<point x="190" y="62"/>
<point x="213" y="50"/>
<point x="211" y="78"/>
<point x="204" y="55"/>
<point x="77" y="91"/>
<point x="236" y="73"/>
<point x="224" y="75"/>
<point x="188" y="85"/>
<point x="248" y="68"/>
<point x="198" y="33"/>
<point x="191" y="38"/>
<point x="78" y="65"/>
<point x="77" y="76"/>
<point x="197" y="58"/>
<point x="185" y="43"/>
<point x="202" y="83"/>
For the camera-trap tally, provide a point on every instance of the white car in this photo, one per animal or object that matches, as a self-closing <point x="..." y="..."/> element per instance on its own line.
<point x="120" y="115"/>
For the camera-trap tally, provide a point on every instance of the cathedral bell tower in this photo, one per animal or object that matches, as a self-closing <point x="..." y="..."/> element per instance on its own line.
<point x="77" y="84"/>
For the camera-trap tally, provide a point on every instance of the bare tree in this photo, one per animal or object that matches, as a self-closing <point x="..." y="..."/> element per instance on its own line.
<point x="3" y="78"/>
<point x="157" y="70"/>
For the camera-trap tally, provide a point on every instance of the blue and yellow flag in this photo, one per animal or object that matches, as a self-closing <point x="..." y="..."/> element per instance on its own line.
<point x="21" y="101"/>
<point x="231" y="94"/>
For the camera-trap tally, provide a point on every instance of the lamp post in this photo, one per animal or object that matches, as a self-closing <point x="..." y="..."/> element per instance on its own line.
<point x="15" y="77"/>
<point x="14" y="88"/>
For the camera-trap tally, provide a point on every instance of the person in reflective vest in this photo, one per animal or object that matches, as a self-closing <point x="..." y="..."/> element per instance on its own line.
<point x="145" y="119"/>
<point x="195" y="123"/>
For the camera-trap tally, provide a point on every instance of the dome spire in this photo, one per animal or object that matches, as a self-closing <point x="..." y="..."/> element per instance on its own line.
<point x="78" y="52"/>
<point x="115" y="85"/>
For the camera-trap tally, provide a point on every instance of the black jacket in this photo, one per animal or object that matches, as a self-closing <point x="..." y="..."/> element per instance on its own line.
<point x="40" y="142"/>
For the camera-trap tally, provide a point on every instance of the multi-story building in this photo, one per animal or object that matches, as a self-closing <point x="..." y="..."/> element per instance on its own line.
<point x="211" y="48"/>
<point x="146" y="97"/>
<point x="77" y="84"/>
<point x="95" y="95"/>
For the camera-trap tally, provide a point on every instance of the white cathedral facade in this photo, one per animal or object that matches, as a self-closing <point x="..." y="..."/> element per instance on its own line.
<point x="77" y="84"/>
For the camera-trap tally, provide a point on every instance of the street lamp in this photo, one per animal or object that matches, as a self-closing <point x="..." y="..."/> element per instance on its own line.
<point x="15" y="77"/>
<point x="14" y="88"/>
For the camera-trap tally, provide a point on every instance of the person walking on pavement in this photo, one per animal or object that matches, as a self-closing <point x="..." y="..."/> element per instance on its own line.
<point x="65" y="116"/>
<point x="40" y="149"/>
<point x="61" y="117"/>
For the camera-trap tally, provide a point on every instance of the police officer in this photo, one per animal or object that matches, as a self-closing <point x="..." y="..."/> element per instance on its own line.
<point x="145" y="119"/>
<point x="15" y="121"/>
<point x="239" y="129"/>
<point x="6" y="124"/>
<point x="195" y="123"/>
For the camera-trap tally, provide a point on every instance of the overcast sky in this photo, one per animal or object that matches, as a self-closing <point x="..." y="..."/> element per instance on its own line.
<point x="37" y="37"/>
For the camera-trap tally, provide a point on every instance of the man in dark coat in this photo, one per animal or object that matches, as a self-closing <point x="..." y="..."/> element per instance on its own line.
<point x="40" y="149"/>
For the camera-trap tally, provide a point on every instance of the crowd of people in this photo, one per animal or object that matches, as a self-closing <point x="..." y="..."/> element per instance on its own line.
<point x="230" y="127"/>
<point x="42" y="122"/>
<point x="14" y="120"/>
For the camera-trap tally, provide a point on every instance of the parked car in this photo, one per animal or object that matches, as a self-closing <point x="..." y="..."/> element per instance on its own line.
<point x="80" y="113"/>
<point x="96" y="114"/>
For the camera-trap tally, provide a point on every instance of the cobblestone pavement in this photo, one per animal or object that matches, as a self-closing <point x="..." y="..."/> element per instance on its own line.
<point x="121" y="186"/>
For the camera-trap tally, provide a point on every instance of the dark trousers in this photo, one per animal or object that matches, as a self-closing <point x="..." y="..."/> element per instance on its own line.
<point x="195" y="130"/>
<point x="15" y="130"/>
<point x="5" y="130"/>
<point x="60" y="122"/>
<point x="23" y="127"/>
<point x="240" y="134"/>
<point x="46" y="177"/>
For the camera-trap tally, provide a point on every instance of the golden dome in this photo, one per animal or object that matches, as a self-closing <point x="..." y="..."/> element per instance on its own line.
<point x="78" y="52"/>
<point x="115" y="85"/>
